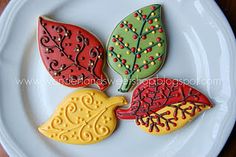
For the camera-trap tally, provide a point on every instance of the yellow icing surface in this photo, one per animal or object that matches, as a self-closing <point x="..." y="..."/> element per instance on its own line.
<point x="84" y="117"/>
<point x="180" y="122"/>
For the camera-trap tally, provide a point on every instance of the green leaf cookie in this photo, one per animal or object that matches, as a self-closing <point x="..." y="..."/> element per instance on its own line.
<point x="137" y="46"/>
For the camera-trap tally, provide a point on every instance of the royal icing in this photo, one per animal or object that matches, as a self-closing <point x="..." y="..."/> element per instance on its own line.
<point x="137" y="46"/>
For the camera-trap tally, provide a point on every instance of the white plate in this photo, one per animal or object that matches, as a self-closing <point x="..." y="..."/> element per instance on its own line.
<point x="201" y="47"/>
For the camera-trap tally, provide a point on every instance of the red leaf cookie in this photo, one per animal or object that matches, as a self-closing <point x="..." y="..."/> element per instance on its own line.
<point x="162" y="105"/>
<point x="72" y="55"/>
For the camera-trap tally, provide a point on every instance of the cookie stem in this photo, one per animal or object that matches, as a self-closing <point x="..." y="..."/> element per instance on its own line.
<point x="117" y="101"/>
<point x="102" y="83"/>
<point x="126" y="85"/>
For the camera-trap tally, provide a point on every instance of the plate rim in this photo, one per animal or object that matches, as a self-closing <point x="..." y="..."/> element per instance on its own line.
<point x="6" y="21"/>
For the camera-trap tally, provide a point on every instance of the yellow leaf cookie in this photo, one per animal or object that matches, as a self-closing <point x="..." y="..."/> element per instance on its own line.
<point x="84" y="117"/>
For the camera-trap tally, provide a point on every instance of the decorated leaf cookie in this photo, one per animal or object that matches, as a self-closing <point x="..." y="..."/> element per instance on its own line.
<point x="73" y="56"/>
<point x="137" y="46"/>
<point x="161" y="105"/>
<point x="84" y="117"/>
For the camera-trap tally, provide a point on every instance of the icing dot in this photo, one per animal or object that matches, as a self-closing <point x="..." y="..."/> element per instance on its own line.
<point x="149" y="49"/>
<point x="134" y="29"/>
<point x="135" y="14"/>
<point x="159" y="59"/>
<point x="139" y="49"/>
<point x="121" y="46"/>
<point x="121" y="25"/>
<point x="152" y="63"/>
<point x="158" y="39"/>
<point x="152" y="14"/>
<point x="146" y="29"/>
<point x="127" y="66"/>
<point x="130" y="25"/>
<point x="162" y="124"/>
<point x="150" y="21"/>
<point x="199" y="110"/>
<point x="125" y="22"/>
<point x="126" y="72"/>
<point x="150" y="43"/>
<point x="138" y="70"/>
<point x="126" y="29"/>
<point x="138" y="56"/>
<point x="140" y="11"/>
<point x="159" y="44"/>
<point x="144" y="37"/>
<point x="117" y="36"/>
<point x="133" y="49"/>
<point x="127" y="52"/>
<point x="135" y="36"/>
<point x="115" y="59"/>
<point x="145" y="66"/>
<point x="119" y="65"/>
<point x="77" y="49"/>
<point x="151" y="58"/>
<point x="144" y="62"/>
<point x="123" y="61"/>
<point x="113" y="39"/>
<point x="160" y="30"/>
<point x="156" y="20"/>
<point x="157" y="54"/>
<point x="118" y="56"/>
<point x="126" y="44"/>
<point x="120" y="39"/>
<point x="152" y="27"/>
<point x="153" y="32"/>
<point x="55" y="73"/>
<point x="145" y="51"/>
<point x="117" y="43"/>
<point x="157" y="26"/>
<point x="144" y="16"/>
<point x="138" y="18"/>
<point x="111" y="48"/>
<point x="136" y="66"/>
<point x="110" y="54"/>
<point x="152" y="7"/>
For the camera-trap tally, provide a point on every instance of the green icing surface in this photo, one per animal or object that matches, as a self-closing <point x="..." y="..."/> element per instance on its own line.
<point x="140" y="27"/>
